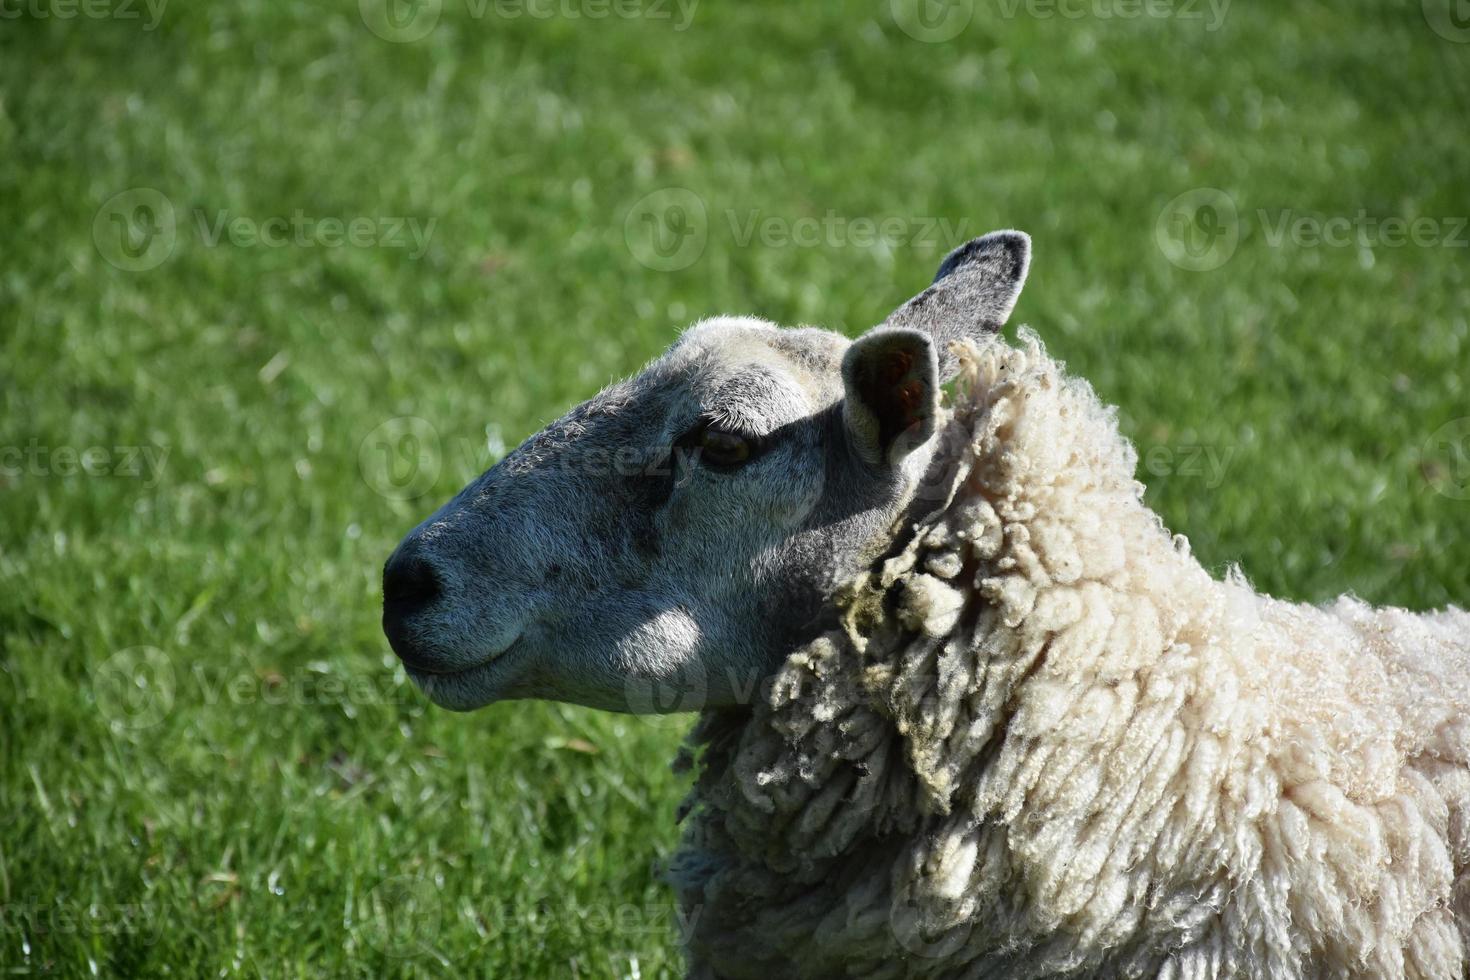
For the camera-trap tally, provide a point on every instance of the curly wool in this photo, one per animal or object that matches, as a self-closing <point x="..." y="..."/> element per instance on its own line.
<point x="1046" y="742"/>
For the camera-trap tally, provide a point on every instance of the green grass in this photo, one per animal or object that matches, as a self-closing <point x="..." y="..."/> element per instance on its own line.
<point x="279" y="781"/>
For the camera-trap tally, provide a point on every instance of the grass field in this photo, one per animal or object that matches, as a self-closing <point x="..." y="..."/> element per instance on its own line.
<point x="209" y="760"/>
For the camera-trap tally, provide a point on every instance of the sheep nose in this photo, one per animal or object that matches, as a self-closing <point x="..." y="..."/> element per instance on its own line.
<point x="411" y="585"/>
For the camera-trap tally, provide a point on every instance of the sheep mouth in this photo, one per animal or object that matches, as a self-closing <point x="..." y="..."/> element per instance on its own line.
<point x="467" y="688"/>
<point x="421" y="664"/>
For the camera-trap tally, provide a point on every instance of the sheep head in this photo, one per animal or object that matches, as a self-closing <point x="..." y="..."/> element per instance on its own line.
<point x="664" y="545"/>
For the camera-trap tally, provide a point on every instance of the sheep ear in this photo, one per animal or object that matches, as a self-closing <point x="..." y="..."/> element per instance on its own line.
<point x="972" y="295"/>
<point x="891" y="383"/>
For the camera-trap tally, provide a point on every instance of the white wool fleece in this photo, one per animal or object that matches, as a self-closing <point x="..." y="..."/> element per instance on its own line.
<point x="1047" y="743"/>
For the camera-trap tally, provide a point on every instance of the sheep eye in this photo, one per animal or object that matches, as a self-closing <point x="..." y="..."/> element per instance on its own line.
<point x="721" y="448"/>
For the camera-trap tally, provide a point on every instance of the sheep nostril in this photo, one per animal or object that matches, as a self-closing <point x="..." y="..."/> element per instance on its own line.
<point x="409" y="584"/>
<point x="412" y="586"/>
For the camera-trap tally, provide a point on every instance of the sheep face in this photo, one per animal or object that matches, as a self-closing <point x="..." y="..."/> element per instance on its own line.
<point x="663" y="545"/>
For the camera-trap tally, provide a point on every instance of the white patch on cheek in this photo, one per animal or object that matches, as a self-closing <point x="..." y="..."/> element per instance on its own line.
<point x="655" y="646"/>
<point x="658" y="660"/>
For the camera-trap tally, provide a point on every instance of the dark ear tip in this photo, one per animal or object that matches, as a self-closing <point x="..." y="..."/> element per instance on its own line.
<point x="1012" y="248"/>
<point x="1016" y="243"/>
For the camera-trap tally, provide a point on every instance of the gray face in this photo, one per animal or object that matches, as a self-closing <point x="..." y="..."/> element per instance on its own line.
<point x="664" y="545"/>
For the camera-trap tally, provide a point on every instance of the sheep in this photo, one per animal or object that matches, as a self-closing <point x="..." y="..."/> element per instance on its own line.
<point x="684" y="529"/>
<point x="1045" y="742"/>
<point x="968" y="708"/>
